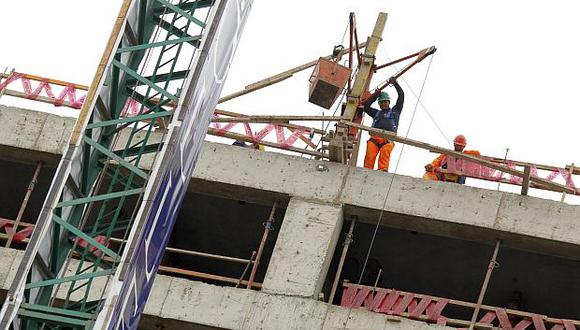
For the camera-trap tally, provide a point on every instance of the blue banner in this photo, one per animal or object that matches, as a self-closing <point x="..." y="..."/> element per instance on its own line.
<point x="170" y="177"/>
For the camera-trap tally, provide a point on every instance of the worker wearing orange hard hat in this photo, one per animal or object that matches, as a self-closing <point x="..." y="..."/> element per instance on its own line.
<point x="385" y="118"/>
<point x="432" y="170"/>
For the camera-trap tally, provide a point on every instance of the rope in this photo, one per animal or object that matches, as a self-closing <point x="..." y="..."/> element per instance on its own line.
<point x="447" y="139"/>
<point x="377" y="225"/>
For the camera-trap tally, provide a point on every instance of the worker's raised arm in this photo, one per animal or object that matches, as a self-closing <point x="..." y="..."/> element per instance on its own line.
<point x="400" y="99"/>
<point x="368" y="109"/>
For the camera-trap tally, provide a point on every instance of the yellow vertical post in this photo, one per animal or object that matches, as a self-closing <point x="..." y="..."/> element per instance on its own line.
<point x="339" y="142"/>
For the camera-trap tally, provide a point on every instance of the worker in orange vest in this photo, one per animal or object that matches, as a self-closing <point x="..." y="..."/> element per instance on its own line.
<point x="386" y="118"/>
<point x="432" y="170"/>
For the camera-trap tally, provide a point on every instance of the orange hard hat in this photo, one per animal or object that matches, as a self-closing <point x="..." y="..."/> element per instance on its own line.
<point x="460" y="140"/>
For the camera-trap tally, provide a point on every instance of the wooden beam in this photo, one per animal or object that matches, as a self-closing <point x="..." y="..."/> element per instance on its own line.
<point x="366" y="66"/>
<point x="100" y="74"/>
<point x="241" y="137"/>
<point x="275" y="119"/>
<point x="394" y="137"/>
<point x="526" y="181"/>
<point x="206" y="276"/>
<point x="563" y="198"/>
<point x="339" y="146"/>
<point x="279" y="77"/>
<point x="51" y="81"/>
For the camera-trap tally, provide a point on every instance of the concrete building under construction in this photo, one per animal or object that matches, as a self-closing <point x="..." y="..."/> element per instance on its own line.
<point x="260" y="239"/>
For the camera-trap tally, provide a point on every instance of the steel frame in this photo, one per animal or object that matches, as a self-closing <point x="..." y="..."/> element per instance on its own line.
<point x="104" y="183"/>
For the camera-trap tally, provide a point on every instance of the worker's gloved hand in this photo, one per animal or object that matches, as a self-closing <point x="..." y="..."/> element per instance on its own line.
<point x="392" y="80"/>
<point x="429" y="167"/>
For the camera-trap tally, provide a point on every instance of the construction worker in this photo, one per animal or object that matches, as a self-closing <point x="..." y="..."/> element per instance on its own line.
<point x="386" y="118"/>
<point x="432" y="170"/>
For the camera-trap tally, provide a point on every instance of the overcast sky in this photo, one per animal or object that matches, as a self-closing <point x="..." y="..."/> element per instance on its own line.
<point x="505" y="73"/>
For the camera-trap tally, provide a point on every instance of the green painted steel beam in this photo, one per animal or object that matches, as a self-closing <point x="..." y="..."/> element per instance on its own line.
<point x="71" y="278"/>
<point x="116" y="158"/>
<point x="51" y="318"/>
<point x="102" y="197"/>
<point x="171" y="29"/>
<point x="141" y="79"/>
<point x="54" y="310"/>
<point x="187" y="6"/>
<point x="182" y="12"/>
<point x="77" y="232"/>
<point x="147" y="101"/>
<point x="124" y="180"/>
<point x="164" y="76"/>
<point x="159" y="43"/>
<point x="133" y="119"/>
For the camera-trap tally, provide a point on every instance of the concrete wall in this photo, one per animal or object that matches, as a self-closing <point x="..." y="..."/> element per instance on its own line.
<point x="483" y="215"/>
<point x="44" y="134"/>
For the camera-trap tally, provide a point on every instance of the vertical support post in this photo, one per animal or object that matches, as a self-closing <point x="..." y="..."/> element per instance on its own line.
<point x="526" y="181"/>
<point x="250" y="262"/>
<point x="504" y="161"/>
<point x="267" y="227"/>
<point x="29" y="191"/>
<point x="337" y="146"/>
<point x="490" y="268"/>
<point x="350" y="49"/>
<point x="354" y="156"/>
<point x="347" y="241"/>
<point x="563" y="192"/>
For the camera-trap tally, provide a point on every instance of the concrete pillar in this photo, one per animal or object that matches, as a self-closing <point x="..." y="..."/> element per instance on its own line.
<point x="304" y="249"/>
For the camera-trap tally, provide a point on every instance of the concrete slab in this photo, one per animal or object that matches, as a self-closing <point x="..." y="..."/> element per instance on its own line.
<point x="179" y="303"/>
<point x="523" y="222"/>
<point x="43" y="135"/>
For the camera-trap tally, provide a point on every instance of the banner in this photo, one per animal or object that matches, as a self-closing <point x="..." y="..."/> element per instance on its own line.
<point x="171" y="173"/>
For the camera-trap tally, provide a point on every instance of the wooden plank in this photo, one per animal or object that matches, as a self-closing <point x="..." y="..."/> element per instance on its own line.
<point x="274" y="119"/>
<point x="206" y="276"/>
<point x="526" y="181"/>
<point x="366" y="66"/>
<point x="241" y="137"/>
<point x="279" y="77"/>
<point x="571" y="171"/>
<point x="99" y="78"/>
<point x="392" y="136"/>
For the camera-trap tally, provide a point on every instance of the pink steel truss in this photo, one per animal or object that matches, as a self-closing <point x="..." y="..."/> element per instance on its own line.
<point x="473" y="170"/>
<point x="430" y="309"/>
<point x="44" y="87"/>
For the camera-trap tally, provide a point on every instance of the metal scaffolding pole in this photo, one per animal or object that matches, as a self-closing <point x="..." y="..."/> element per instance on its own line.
<point x="267" y="228"/>
<point x="490" y="267"/>
<point x="347" y="241"/>
<point x="29" y="191"/>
